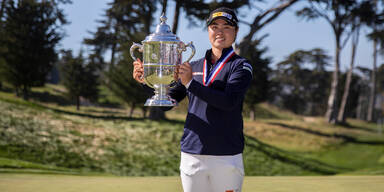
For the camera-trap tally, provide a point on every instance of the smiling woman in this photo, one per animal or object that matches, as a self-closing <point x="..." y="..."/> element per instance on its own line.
<point x="213" y="140"/>
<point x="221" y="35"/>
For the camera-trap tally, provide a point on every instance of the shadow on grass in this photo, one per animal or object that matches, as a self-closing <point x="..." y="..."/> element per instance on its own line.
<point x="6" y="89"/>
<point x="109" y="115"/>
<point x="43" y="107"/>
<point x="349" y="126"/>
<point x="318" y="133"/>
<point x="287" y="157"/>
<point x="269" y="113"/>
<point x="102" y="117"/>
<point x="47" y="97"/>
<point x="59" y="98"/>
<point x="102" y="111"/>
<point x="112" y="117"/>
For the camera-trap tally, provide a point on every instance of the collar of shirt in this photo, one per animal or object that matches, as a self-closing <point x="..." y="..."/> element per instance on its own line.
<point x="208" y="56"/>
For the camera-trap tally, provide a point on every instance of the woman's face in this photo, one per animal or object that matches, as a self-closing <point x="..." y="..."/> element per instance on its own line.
<point x="221" y="34"/>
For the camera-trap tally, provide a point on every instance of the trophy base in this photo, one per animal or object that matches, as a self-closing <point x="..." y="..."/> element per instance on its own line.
<point x="160" y="103"/>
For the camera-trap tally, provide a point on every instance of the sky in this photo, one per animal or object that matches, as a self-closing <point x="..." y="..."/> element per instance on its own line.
<point x="286" y="34"/>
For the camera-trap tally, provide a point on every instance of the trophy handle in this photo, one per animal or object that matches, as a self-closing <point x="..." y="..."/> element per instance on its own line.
<point x="133" y="47"/>
<point x="184" y="48"/>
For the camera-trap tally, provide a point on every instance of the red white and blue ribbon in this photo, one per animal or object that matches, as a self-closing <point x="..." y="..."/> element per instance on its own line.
<point x="212" y="75"/>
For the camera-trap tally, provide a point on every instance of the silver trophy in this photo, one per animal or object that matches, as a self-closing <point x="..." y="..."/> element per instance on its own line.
<point x="162" y="52"/>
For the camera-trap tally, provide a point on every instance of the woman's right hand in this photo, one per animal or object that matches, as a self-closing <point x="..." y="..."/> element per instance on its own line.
<point x="138" y="71"/>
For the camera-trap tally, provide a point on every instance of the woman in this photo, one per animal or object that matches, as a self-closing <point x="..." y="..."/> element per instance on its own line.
<point x="213" y="141"/>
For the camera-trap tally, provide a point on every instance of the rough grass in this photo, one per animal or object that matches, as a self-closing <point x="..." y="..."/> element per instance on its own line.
<point x="115" y="146"/>
<point x="47" y="133"/>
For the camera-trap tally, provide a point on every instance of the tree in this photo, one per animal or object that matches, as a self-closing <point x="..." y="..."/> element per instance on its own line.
<point x="248" y="48"/>
<point x="32" y="29"/>
<point x="80" y="79"/>
<point x="337" y="14"/>
<point x="130" y="92"/>
<point x="126" y="22"/>
<point x="3" y="5"/>
<point x="362" y="14"/>
<point x="259" y="86"/>
<point x="319" y="80"/>
<point x="2" y="8"/>
<point x="299" y="87"/>
<point x="362" y="104"/>
<point x="261" y="20"/>
<point x="380" y="86"/>
<point x="380" y="79"/>
<point x="377" y="36"/>
<point x="2" y="62"/>
<point x="291" y="77"/>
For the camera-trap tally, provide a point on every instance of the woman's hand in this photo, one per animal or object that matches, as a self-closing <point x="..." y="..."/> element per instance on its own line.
<point x="138" y="71"/>
<point x="185" y="73"/>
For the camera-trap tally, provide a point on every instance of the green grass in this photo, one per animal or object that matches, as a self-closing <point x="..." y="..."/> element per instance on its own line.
<point x="73" y="141"/>
<point x="18" y="164"/>
<point x="65" y="183"/>
<point x="353" y="156"/>
<point x="48" y="134"/>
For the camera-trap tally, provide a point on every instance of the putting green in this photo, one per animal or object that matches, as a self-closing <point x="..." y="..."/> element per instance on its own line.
<point x="64" y="183"/>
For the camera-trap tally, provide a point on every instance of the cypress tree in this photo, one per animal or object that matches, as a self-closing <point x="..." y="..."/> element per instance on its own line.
<point x="31" y="31"/>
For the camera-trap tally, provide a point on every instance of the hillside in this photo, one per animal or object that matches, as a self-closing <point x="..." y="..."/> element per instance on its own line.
<point x="47" y="134"/>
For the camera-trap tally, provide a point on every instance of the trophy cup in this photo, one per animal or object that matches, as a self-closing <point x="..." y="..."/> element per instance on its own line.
<point x="162" y="52"/>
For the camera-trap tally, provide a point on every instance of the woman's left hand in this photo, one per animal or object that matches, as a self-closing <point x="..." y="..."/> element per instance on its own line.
<point x="185" y="73"/>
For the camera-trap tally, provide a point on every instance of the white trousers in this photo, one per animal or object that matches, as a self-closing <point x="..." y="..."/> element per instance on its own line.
<point x="207" y="173"/>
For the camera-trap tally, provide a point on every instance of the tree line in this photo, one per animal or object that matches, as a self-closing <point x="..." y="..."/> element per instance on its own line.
<point x="306" y="82"/>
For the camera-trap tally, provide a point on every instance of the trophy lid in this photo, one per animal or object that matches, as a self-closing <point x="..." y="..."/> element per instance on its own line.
<point x="163" y="32"/>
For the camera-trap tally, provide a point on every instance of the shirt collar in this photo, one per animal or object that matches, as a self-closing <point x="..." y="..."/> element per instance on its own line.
<point x="208" y="54"/>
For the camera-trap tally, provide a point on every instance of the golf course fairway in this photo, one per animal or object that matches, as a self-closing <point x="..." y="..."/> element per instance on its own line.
<point x="10" y="182"/>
